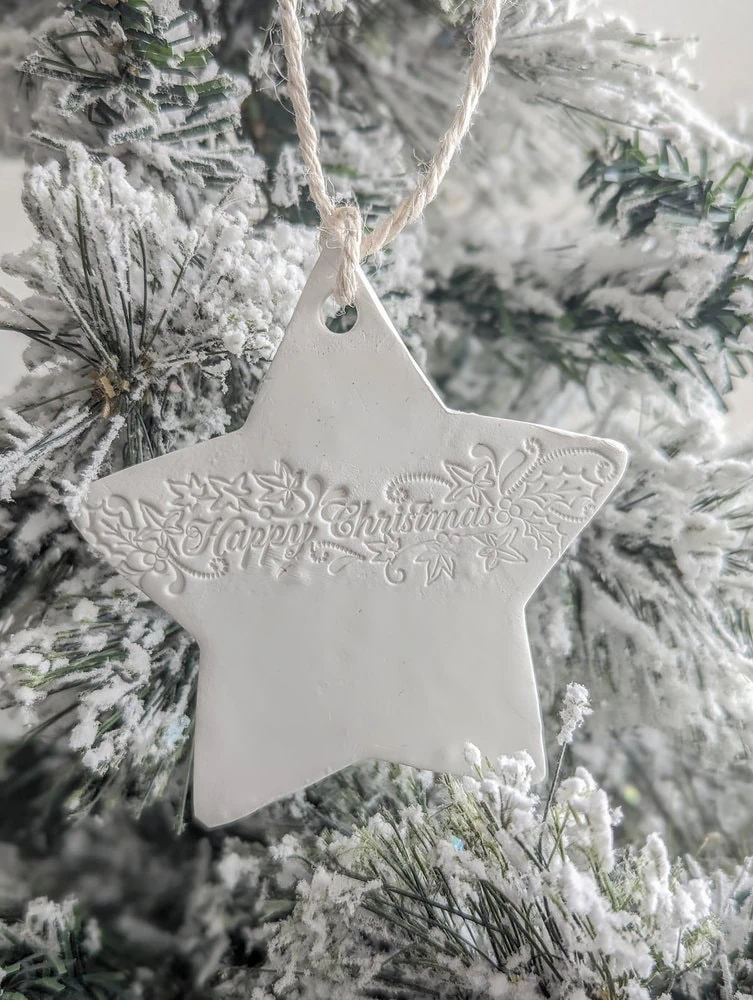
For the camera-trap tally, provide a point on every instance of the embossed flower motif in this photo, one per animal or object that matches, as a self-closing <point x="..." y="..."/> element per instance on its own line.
<point x="218" y="565"/>
<point x="604" y="470"/>
<point x="318" y="552"/>
<point x="495" y="549"/>
<point x="396" y="493"/>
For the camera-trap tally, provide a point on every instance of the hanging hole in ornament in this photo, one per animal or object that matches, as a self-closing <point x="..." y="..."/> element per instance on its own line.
<point x="338" y="319"/>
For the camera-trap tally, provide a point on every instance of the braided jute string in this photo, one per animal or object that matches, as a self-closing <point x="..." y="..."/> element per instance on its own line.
<point x="342" y="222"/>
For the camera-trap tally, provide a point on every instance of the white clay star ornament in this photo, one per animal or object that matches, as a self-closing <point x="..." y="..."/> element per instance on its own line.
<point x="354" y="562"/>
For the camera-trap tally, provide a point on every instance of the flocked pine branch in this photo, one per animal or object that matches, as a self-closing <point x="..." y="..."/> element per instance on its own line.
<point x="132" y="80"/>
<point x="476" y="886"/>
<point x="488" y="891"/>
<point x="550" y="58"/>
<point x="670" y="298"/>
<point x="653" y="610"/>
<point x="118" y="679"/>
<point x="53" y="951"/>
<point x="152" y="333"/>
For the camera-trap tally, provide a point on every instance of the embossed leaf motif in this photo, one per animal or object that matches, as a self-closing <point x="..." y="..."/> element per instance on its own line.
<point x="436" y="555"/>
<point x="230" y="494"/>
<point x="282" y="488"/>
<point x="547" y="536"/>
<point x="137" y="534"/>
<point x="152" y="517"/>
<point x="495" y="548"/>
<point x="562" y="489"/>
<point x="187" y="493"/>
<point x="558" y="491"/>
<point x="384" y="550"/>
<point x="161" y="524"/>
<point x="152" y="540"/>
<point x="117" y="528"/>
<point x="472" y="484"/>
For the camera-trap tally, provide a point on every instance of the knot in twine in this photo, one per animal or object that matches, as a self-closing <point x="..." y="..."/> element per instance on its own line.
<point x="343" y="228"/>
<point x="341" y="224"/>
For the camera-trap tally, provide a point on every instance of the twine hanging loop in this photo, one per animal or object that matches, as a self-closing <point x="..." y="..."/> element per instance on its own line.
<point x="342" y="224"/>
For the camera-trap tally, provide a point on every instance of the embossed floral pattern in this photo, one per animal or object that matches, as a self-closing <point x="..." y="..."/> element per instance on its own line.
<point x="484" y="513"/>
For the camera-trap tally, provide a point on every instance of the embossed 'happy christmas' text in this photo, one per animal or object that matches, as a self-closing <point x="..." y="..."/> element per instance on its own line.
<point x="489" y="511"/>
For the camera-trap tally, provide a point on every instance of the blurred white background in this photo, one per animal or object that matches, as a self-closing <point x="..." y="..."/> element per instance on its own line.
<point x="725" y="32"/>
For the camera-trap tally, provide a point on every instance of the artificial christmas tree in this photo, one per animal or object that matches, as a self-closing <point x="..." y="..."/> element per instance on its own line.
<point x="586" y="264"/>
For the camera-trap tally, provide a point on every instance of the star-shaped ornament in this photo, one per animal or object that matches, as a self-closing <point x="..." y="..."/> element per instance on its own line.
<point x="354" y="562"/>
